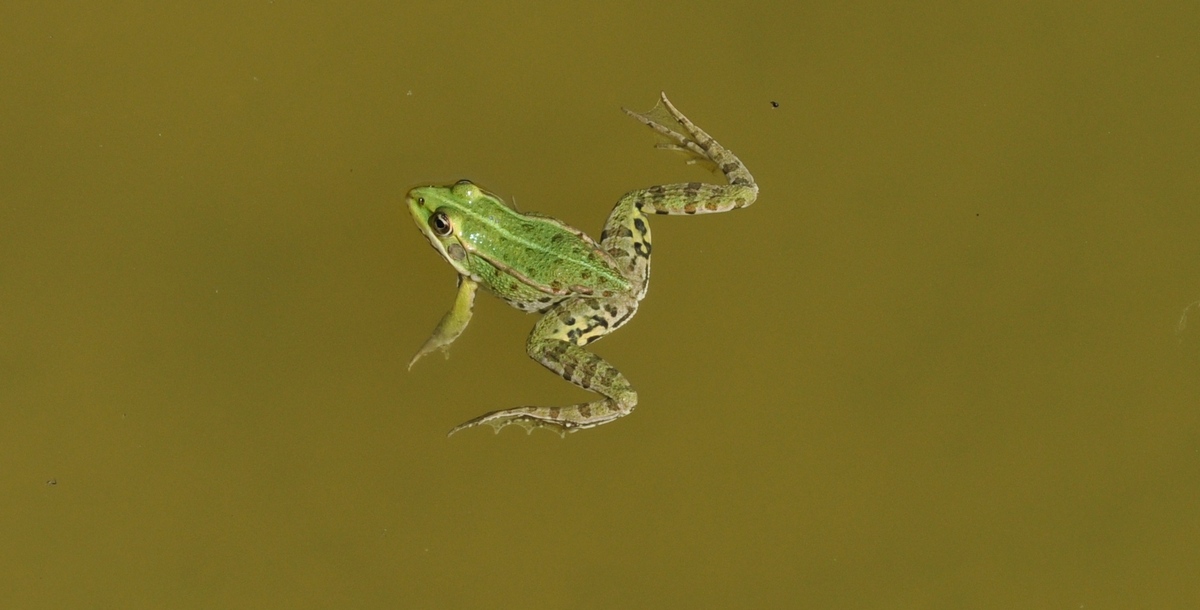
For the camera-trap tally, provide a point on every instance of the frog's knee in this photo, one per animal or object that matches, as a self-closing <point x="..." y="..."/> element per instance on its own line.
<point x="628" y="401"/>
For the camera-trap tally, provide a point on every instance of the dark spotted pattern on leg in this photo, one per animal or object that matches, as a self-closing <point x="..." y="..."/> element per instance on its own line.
<point x="556" y="342"/>
<point x="558" y="338"/>
<point x="626" y="238"/>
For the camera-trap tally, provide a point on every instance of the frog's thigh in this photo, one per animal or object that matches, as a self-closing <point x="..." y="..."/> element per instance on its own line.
<point x="626" y="237"/>
<point x="557" y="340"/>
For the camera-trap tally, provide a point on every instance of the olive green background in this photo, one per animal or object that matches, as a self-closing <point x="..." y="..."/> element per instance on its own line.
<point x="938" y="364"/>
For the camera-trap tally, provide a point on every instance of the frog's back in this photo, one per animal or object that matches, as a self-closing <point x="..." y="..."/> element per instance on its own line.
<point x="524" y="257"/>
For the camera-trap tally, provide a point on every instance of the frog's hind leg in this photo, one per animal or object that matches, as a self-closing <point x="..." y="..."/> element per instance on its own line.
<point x="694" y="197"/>
<point x="556" y="342"/>
<point x="626" y="237"/>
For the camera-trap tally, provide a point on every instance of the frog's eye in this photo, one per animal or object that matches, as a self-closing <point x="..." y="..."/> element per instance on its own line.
<point x="440" y="223"/>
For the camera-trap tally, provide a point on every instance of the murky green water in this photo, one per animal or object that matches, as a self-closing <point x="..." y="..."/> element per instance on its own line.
<point x="937" y="365"/>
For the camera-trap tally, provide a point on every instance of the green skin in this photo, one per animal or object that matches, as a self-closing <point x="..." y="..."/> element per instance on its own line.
<point x="584" y="289"/>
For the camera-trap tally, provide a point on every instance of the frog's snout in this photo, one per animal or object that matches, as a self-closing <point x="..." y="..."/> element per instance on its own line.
<point x="414" y="200"/>
<point x="416" y="196"/>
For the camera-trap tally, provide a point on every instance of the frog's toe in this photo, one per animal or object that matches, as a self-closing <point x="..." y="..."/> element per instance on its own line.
<point x="520" y="416"/>
<point x="556" y="419"/>
<point x="426" y="350"/>
<point x="693" y="157"/>
<point x="691" y="141"/>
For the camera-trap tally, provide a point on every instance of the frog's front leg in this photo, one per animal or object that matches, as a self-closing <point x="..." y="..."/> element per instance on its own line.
<point x="556" y="342"/>
<point x="453" y="323"/>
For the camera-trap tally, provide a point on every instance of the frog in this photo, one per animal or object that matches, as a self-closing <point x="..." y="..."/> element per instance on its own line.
<point x="583" y="288"/>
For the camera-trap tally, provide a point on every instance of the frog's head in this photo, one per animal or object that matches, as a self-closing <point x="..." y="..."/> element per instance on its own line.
<point x="442" y="213"/>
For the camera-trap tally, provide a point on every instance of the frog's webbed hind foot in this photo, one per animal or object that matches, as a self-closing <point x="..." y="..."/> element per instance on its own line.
<point x="556" y="419"/>
<point x="691" y="140"/>
<point x="693" y="197"/>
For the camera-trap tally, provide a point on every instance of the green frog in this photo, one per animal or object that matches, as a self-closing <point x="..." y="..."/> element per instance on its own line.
<point x="583" y="288"/>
